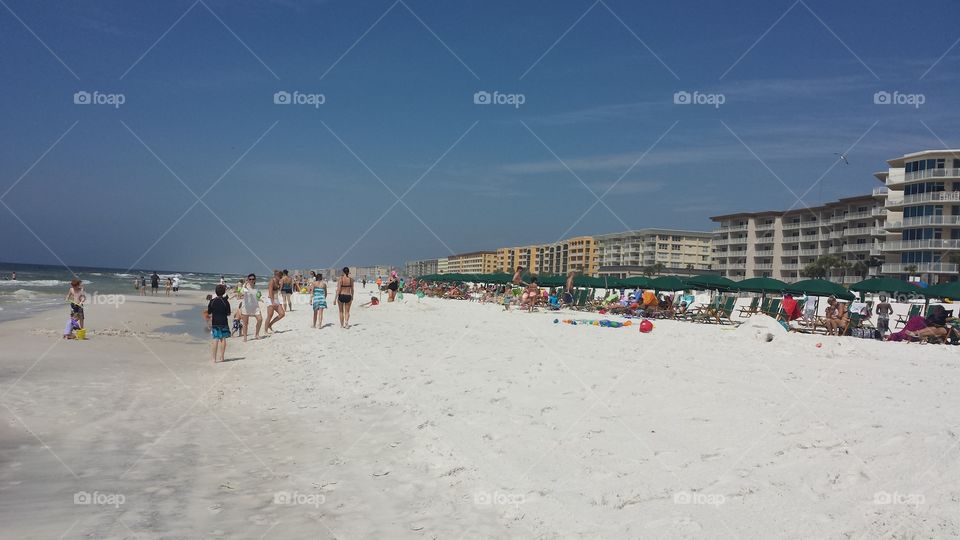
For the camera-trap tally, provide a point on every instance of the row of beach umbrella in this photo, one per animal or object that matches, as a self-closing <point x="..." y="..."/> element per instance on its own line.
<point x="713" y="282"/>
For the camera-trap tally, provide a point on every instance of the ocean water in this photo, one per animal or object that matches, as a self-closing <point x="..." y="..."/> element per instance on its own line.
<point x="41" y="287"/>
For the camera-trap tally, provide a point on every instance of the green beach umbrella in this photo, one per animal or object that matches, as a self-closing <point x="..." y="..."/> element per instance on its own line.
<point x="669" y="283"/>
<point x="949" y="290"/>
<point x="885" y="284"/>
<point x="821" y="287"/>
<point x="761" y="285"/>
<point x="711" y="282"/>
<point x="639" y="282"/>
<point x="556" y="280"/>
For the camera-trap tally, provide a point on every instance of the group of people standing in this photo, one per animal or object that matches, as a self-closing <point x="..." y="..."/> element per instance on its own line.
<point x="278" y="301"/>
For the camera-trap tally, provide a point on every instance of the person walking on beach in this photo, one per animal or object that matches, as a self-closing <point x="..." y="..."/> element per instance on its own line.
<point x="250" y="306"/>
<point x="218" y="310"/>
<point x="76" y="297"/>
<point x="364" y="282"/>
<point x="344" y="297"/>
<point x="176" y="284"/>
<point x="568" y="288"/>
<point x="154" y="283"/>
<point x="392" y="285"/>
<point x="319" y="299"/>
<point x="286" y="290"/>
<point x="274" y="304"/>
<point x="143" y="285"/>
<point x="169" y="286"/>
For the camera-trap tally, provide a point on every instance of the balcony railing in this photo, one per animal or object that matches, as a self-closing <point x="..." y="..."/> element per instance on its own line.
<point x="808" y="252"/>
<point x="862" y="231"/>
<point x="902" y="245"/>
<point x="790" y="226"/>
<point x="764" y="226"/>
<point x="921" y="268"/>
<point x="791" y="266"/>
<point x="931" y="173"/>
<point x="924" y="221"/>
<point x="741" y="240"/>
<point x="765" y="240"/>
<point x="763" y="266"/>
<point x="878" y="211"/>
<point x="936" y="196"/>
<point x="791" y="239"/>
<point x="880" y="191"/>
<point x="858" y="247"/>
<point x="857" y="215"/>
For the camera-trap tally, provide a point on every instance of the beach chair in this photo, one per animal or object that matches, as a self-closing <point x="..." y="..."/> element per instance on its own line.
<point x="722" y="315"/>
<point x="752" y="309"/>
<point x="581" y="299"/>
<point x="913" y="312"/>
<point x="773" y="309"/>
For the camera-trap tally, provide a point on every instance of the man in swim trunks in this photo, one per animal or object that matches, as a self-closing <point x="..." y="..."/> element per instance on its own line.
<point x="344" y="297"/>
<point x="274" y="304"/>
<point x="286" y="290"/>
<point x="154" y="283"/>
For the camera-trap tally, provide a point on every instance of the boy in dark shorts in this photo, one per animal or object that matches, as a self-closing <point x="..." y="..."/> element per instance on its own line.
<point x="219" y="312"/>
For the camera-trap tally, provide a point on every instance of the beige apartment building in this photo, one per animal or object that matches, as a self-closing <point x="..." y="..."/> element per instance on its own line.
<point x="780" y="244"/>
<point x="631" y="253"/>
<point x="577" y="253"/>
<point x="923" y="205"/>
<point x="424" y="267"/>
<point x="477" y="262"/>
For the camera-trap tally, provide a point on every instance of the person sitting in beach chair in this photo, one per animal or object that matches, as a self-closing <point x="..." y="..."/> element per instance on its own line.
<point x="933" y="326"/>
<point x="836" y="318"/>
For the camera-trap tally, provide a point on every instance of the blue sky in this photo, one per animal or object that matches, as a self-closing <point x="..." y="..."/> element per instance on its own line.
<point x="299" y="186"/>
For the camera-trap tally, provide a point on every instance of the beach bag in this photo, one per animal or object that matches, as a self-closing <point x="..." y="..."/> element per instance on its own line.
<point x="864" y="333"/>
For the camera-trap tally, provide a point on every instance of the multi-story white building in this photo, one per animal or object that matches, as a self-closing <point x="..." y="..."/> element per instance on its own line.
<point x="780" y="244"/>
<point x="924" y="192"/>
<point x="421" y="268"/>
<point x="630" y="253"/>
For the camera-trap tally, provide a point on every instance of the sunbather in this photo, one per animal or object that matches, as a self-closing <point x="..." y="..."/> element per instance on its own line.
<point x="920" y="328"/>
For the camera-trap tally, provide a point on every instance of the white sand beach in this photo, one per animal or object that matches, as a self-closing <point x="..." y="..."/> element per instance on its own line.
<point x="452" y="419"/>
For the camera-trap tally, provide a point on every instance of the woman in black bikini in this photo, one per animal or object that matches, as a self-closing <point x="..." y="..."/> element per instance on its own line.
<point x="344" y="297"/>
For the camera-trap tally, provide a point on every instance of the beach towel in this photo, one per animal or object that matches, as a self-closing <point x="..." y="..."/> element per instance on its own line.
<point x="790" y="307"/>
<point x="915" y="323"/>
<point x="319" y="298"/>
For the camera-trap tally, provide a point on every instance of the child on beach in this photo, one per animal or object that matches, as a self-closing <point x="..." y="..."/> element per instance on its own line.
<point x="374" y="301"/>
<point x="319" y="299"/>
<point x="72" y="324"/>
<point x="219" y="310"/>
<point x="76" y="297"/>
<point x="237" y="323"/>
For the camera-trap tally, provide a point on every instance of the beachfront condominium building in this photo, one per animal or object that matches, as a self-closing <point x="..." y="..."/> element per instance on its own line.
<point x="780" y="244"/>
<point x="642" y="251"/>
<point x="578" y="254"/>
<point x="421" y="268"/>
<point x="442" y="265"/>
<point x="924" y="194"/>
<point x="477" y="262"/>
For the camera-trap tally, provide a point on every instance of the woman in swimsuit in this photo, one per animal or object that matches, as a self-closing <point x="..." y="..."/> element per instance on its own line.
<point x="286" y="290"/>
<point x="344" y="297"/>
<point x="392" y="285"/>
<point x="319" y="298"/>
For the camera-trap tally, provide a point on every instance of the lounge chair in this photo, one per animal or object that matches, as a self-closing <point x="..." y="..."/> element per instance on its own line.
<point x="773" y="310"/>
<point x="902" y="319"/>
<point x="752" y="309"/>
